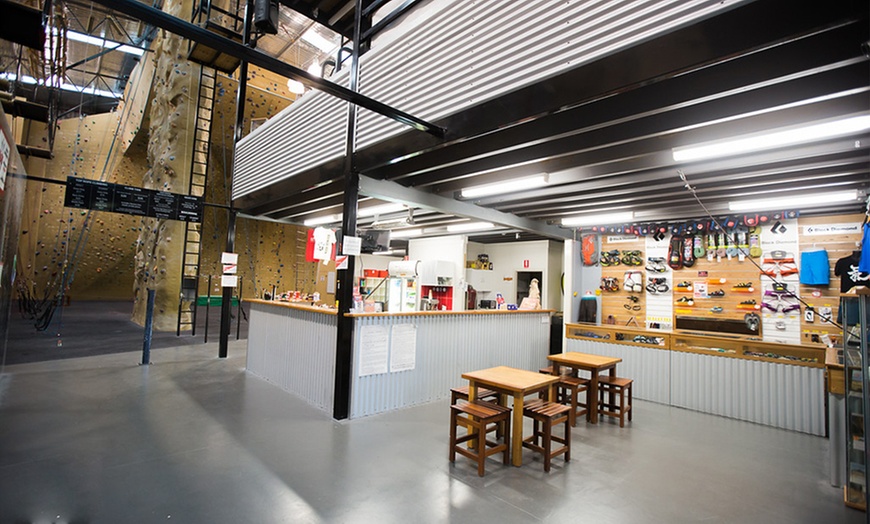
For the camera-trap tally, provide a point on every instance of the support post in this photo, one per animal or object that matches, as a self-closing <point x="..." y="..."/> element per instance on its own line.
<point x="149" y="322"/>
<point x="344" y="338"/>
<point x="227" y="295"/>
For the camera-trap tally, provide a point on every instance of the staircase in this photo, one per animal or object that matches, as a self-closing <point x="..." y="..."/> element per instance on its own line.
<point x="198" y="176"/>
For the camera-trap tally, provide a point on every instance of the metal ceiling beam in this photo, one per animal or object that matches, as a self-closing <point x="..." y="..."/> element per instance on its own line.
<point x="202" y="36"/>
<point x="393" y="192"/>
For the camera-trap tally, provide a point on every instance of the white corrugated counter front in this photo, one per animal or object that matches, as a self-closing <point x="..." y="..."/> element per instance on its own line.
<point x="447" y="345"/>
<point x="781" y="395"/>
<point x="293" y="347"/>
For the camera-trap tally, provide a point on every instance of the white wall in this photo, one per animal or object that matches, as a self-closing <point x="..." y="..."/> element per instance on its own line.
<point x="508" y="258"/>
<point x="449" y="249"/>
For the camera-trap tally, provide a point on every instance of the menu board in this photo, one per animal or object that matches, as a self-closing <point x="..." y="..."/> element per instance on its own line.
<point x="104" y="196"/>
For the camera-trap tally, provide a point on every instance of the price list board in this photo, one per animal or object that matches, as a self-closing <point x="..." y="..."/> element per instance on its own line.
<point x="103" y="196"/>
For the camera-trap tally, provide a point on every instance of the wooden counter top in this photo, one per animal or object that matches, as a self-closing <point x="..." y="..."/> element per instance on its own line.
<point x="301" y="306"/>
<point x="442" y="313"/>
<point x="304" y="306"/>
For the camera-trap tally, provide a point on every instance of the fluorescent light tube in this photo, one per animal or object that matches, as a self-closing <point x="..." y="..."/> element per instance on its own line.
<point x="757" y="142"/>
<point x="793" y="202"/>
<point x="405" y="233"/>
<point x="469" y="226"/>
<point x="594" y="220"/>
<point x="99" y="42"/>
<point x="319" y="221"/>
<point x="509" y="186"/>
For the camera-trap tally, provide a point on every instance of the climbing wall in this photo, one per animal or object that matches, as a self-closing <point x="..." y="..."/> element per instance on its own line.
<point x="88" y="253"/>
<point x="157" y="264"/>
<point x="267" y="250"/>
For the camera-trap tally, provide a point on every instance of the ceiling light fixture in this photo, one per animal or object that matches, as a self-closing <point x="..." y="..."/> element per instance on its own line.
<point x="469" y="226"/>
<point x="769" y="140"/>
<point x="793" y="202"/>
<point x="319" y="221"/>
<point x="593" y="220"/>
<point x="508" y="186"/>
<point x="106" y="44"/>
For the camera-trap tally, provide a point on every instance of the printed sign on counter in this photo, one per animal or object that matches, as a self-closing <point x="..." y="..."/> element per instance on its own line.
<point x="403" y="347"/>
<point x="373" y="350"/>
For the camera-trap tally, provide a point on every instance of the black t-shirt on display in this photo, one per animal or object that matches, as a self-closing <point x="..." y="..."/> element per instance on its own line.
<point x="847" y="269"/>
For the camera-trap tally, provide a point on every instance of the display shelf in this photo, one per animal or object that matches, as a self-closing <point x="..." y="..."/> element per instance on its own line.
<point x="618" y="335"/>
<point x="855" y="308"/>
<point x="748" y="349"/>
<point x="694" y="342"/>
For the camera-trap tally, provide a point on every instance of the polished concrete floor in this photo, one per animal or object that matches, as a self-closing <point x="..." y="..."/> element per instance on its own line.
<point x="88" y="328"/>
<point x="194" y="439"/>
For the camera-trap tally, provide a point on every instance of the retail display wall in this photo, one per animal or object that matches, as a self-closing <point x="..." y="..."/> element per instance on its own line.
<point x="727" y="293"/>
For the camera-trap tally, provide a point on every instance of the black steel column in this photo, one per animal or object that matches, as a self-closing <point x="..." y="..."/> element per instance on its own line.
<point x="227" y="295"/>
<point x="344" y="344"/>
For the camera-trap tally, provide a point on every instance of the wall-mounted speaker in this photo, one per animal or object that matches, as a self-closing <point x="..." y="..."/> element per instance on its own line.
<point x="266" y="16"/>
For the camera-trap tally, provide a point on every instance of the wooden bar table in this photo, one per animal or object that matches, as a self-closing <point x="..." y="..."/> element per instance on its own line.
<point x="516" y="382"/>
<point x="592" y="363"/>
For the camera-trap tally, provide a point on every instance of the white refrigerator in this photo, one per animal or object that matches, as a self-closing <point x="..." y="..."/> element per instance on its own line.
<point x="402" y="290"/>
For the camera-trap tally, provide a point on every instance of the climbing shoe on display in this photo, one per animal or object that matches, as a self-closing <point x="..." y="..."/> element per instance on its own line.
<point x="685" y="285"/>
<point x="685" y="301"/>
<point x="717" y="309"/>
<point x="699" y="250"/>
<point x="589" y="247"/>
<point x="743" y="287"/>
<point x="675" y="253"/>
<point x="688" y="252"/>
<point x="719" y="293"/>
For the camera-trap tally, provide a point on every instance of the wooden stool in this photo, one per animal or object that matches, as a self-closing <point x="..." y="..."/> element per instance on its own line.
<point x="462" y="394"/>
<point x="545" y="415"/>
<point x="568" y="391"/>
<point x="564" y="371"/>
<point x="477" y="417"/>
<point x="615" y="386"/>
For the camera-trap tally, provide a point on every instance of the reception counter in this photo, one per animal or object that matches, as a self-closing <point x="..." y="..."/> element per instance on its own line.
<point x="399" y="360"/>
<point x="293" y="346"/>
<point x="779" y="385"/>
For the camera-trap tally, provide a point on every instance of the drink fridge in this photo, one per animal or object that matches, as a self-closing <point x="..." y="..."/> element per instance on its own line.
<point x="402" y="290"/>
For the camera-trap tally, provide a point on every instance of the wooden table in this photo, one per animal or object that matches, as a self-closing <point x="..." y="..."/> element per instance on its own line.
<point x="593" y="363"/>
<point x="516" y="382"/>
